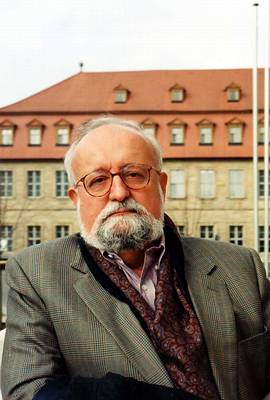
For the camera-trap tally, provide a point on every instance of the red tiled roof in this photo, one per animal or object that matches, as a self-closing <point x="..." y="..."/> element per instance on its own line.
<point x="93" y="92"/>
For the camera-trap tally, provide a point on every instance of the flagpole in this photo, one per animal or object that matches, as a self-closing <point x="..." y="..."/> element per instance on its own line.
<point x="266" y="145"/>
<point x="255" y="132"/>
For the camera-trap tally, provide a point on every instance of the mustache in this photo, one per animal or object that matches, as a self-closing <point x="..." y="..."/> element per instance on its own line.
<point x="129" y="205"/>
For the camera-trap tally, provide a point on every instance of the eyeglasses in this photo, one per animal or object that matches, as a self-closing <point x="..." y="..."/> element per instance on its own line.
<point x="135" y="176"/>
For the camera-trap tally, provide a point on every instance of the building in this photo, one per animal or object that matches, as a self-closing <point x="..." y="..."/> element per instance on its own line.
<point x="202" y="119"/>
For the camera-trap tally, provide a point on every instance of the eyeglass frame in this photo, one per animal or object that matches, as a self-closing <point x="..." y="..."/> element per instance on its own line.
<point x="149" y="168"/>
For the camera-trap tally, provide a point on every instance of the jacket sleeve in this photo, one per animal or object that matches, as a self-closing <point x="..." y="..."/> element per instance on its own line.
<point x="110" y="387"/>
<point x="264" y="289"/>
<point x="31" y="353"/>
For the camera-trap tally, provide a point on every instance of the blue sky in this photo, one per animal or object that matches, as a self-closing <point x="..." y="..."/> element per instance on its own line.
<point x="43" y="42"/>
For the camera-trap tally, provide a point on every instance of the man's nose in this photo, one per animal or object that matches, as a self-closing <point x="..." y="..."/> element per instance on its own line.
<point x="119" y="191"/>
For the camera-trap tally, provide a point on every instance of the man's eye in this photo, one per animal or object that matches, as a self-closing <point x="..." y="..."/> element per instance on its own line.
<point x="136" y="175"/>
<point x="99" y="180"/>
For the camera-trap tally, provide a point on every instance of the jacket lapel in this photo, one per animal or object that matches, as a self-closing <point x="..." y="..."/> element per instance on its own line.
<point x="214" y="310"/>
<point x="119" y="321"/>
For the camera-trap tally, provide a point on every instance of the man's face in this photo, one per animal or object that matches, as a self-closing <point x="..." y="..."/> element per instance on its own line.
<point x="110" y="148"/>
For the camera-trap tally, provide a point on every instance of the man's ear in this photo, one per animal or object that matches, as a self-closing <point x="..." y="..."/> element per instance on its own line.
<point x="163" y="178"/>
<point x="73" y="195"/>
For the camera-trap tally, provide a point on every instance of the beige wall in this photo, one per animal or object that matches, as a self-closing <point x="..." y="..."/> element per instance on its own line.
<point x="192" y="211"/>
<point x="46" y="210"/>
<point x="221" y="211"/>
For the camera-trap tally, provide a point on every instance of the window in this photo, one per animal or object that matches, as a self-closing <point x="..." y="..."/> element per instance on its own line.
<point x="236" y="234"/>
<point x="207" y="231"/>
<point x="236" y="183"/>
<point x="33" y="235"/>
<point x="149" y="128"/>
<point x="233" y="94"/>
<point x="181" y="229"/>
<point x="177" y="95"/>
<point x="33" y="183"/>
<point x="177" y="184"/>
<point x="235" y="133"/>
<point x="205" y="131"/>
<point x="6" y="179"/>
<point x="62" y="135"/>
<point x="177" y="134"/>
<point x="206" y="134"/>
<point x="5" y="238"/>
<point x="207" y="184"/>
<point x="150" y="131"/>
<point x="34" y="135"/>
<point x="61" y="231"/>
<point x="120" y="96"/>
<point x="261" y="182"/>
<point x="61" y="180"/>
<point x="6" y="136"/>
<point x="261" y="134"/>
<point x="261" y="239"/>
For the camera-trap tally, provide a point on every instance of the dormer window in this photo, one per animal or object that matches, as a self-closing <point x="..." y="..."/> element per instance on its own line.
<point x="261" y="131"/>
<point x="235" y="131"/>
<point x="149" y="127"/>
<point x="63" y="132"/>
<point x="177" y="128"/>
<point x="233" y="92"/>
<point x="177" y="94"/>
<point x="35" y="129"/>
<point x="121" y="94"/>
<point x="7" y="133"/>
<point x="206" y="128"/>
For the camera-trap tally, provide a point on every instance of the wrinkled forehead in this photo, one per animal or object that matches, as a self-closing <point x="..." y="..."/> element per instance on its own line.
<point x="112" y="146"/>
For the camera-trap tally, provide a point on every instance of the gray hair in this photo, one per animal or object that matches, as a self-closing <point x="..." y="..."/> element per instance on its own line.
<point x="88" y="126"/>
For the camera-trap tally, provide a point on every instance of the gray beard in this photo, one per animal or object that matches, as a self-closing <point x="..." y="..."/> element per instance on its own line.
<point x="126" y="232"/>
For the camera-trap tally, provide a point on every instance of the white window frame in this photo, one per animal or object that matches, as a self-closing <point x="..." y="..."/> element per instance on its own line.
<point x="261" y="238"/>
<point x="34" y="133"/>
<point x="6" y="184"/>
<point x="261" y="182"/>
<point x="33" y="235"/>
<point x="235" y="133"/>
<point x="236" y="183"/>
<point x="236" y="234"/>
<point x="6" y="238"/>
<point x="207" y="232"/>
<point x="150" y="130"/>
<point x="61" y="231"/>
<point x="177" y="134"/>
<point x="7" y="136"/>
<point x="62" y="135"/>
<point x="33" y="184"/>
<point x="207" y="184"/>
<point x="177" y="95"/>
<point x="177" y="183"/>
<point x="233" y="94"/>
<point x="206" y="134"/>
<point x="61" y="184"/>
<point x="121" y="96"/>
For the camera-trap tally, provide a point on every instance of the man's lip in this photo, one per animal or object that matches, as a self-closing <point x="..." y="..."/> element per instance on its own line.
<point x="121" y="212"/>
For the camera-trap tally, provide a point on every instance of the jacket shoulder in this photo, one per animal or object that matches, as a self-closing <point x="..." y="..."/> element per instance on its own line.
<point x="50" y="253"/>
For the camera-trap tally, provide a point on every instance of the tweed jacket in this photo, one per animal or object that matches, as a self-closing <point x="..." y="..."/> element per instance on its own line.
<point x="61" y="321"/>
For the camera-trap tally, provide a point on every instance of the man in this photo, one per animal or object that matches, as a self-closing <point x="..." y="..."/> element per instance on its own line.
<point x="127" y="309"/>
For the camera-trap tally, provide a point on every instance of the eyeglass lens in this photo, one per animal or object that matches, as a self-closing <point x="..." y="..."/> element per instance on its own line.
<point x="98" y="183"/>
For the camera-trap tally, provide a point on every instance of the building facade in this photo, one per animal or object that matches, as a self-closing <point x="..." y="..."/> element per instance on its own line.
<point x="202" y="120"/>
